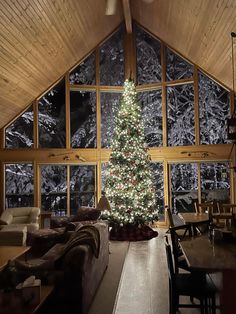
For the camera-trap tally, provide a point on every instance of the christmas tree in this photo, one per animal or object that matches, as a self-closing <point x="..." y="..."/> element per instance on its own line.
<point x="129" y="186"/>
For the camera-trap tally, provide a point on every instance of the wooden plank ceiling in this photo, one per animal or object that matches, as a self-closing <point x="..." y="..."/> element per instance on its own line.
<point x="198" y="29"/>
<point x="41" y="39"/>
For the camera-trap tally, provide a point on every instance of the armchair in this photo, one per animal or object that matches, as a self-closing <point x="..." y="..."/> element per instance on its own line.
<point x="21" y="216"/>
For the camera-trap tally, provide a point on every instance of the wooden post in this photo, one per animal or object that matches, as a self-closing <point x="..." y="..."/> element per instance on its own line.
<point x="130" y="57"/>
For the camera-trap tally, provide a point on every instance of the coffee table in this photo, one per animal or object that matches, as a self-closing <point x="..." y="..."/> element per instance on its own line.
<point x="15" y="304"/>
<point x="10" y="253"/>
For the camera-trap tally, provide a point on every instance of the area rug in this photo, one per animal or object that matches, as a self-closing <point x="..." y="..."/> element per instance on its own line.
<point x="105" y="297"/>
<point x="132" y="233"/>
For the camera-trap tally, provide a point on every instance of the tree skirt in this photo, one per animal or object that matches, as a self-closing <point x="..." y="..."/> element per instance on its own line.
<point x="132" y="233"/>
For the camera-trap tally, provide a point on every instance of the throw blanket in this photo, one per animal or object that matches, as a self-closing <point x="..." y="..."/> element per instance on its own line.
<point x="87" y="234"/>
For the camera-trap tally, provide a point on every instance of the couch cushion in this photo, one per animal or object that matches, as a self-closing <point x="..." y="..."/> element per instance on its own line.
<point x="13" y="235"/>
<point x="20" y="219"/>
<point x="43" y="239"/>
<point x="34" y="214"/>
<point x="60" y="221"/>
<point x="6" y="217"/>
<point x="3" y="222"/>
<point x="87" y="213"/>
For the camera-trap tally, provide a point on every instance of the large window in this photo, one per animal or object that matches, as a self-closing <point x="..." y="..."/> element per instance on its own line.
<point x="19" y="134"/>
<point x="180" y="108"/>
<point x="84" y="73"/>
<point x="110" y="103"/>
<point x="19" y="185"/>
<point x="82" y="187"/>
<point x="214" y="110"/>
<point x="54" y="189"/>
<point x="112" y="60"/>
<point x="215" y="181"/>
<point x="152" y="117"/>
<point x="72" y="129"/>
<point x="148" y="50"/>
<point x="176" y="67"/>
<point x="83" y="119"/>
<point x="184" y="187"/>
<point x="51" y="118"/>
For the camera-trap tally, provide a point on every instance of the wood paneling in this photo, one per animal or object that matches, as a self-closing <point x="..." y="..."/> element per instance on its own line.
<point x="199" y="30"/>
<point x="71" y="156"/>
<point x="41" y="40"/>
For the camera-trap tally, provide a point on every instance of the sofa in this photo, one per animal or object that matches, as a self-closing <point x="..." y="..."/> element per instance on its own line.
<point x="75" y="267"/>
<point x="84" y="213"/>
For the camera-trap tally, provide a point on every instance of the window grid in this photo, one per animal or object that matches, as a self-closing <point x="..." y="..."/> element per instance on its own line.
<point x="141" y="88"/>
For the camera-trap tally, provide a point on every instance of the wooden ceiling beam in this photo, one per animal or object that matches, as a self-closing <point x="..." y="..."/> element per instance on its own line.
<point x="127" y="15"/>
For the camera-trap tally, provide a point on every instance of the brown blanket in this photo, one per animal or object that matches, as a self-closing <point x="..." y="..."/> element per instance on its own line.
<point x="87" y="234"/>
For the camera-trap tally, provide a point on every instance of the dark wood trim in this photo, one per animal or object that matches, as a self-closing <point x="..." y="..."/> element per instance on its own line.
<point x="35" y="127"/>
<point x="127" y="16"/>
<point x="2" y="187"/>
<point x="196" y="107"/>
<point x="2" y="138"/>
<point x="164" y="117"/>
<point x="130" y="64"/>
<point x="68" y="209"/>
<point x="67" y="111"/>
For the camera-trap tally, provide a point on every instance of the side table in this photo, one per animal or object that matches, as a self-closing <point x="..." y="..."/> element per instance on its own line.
<point x="43" y="216"/>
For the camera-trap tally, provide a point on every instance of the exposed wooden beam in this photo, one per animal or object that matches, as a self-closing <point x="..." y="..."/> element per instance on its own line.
<point x="127" y="15"/>
<point x="111" y="7"/>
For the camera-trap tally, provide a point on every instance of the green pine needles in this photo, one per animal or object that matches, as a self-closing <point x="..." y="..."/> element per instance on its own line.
<point x="129" y="185"/>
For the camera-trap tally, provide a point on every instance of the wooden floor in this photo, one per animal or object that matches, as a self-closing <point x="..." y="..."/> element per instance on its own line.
<point x="143" y="287"/>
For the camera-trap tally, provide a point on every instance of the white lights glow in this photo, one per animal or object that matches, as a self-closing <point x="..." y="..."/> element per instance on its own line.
<point x="129" y="185"/>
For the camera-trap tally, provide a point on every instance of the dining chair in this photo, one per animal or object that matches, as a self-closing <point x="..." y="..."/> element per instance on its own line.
<point x="226" y="215"/>
<point x="227" y="208"/>
<point x="206" y="207"/>
<point x="180" y="262"/>
<point x="185" y="284"/>
<point x="179" y="258"/>
<point x="180" y="229"/>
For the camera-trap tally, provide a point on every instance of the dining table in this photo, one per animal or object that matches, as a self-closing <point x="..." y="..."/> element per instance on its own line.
<point x="195" y="219"/>
<point x="201" y="253"/>
<point x="211" y="256"/>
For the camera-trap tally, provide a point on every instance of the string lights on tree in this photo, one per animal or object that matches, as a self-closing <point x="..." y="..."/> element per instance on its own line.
<point x="129" y="184"/>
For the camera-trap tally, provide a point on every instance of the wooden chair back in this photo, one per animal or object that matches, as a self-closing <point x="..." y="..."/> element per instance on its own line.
<point x="169" y="216"/>
<point x="202" y="208"/>
<point x="176" y="250"/>
<point x="185" y="284"/>
<point x="171" y="272"/>
<point x="227" y="208"/>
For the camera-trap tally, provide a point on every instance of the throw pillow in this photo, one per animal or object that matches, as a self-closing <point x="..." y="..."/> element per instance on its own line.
<point x="87" y="213"/>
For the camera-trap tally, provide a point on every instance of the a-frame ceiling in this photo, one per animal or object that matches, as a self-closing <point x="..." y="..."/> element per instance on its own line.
<point x="41" y="39"/>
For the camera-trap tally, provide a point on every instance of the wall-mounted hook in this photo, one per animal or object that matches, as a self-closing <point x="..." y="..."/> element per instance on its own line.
<point x="80" y="158"/>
